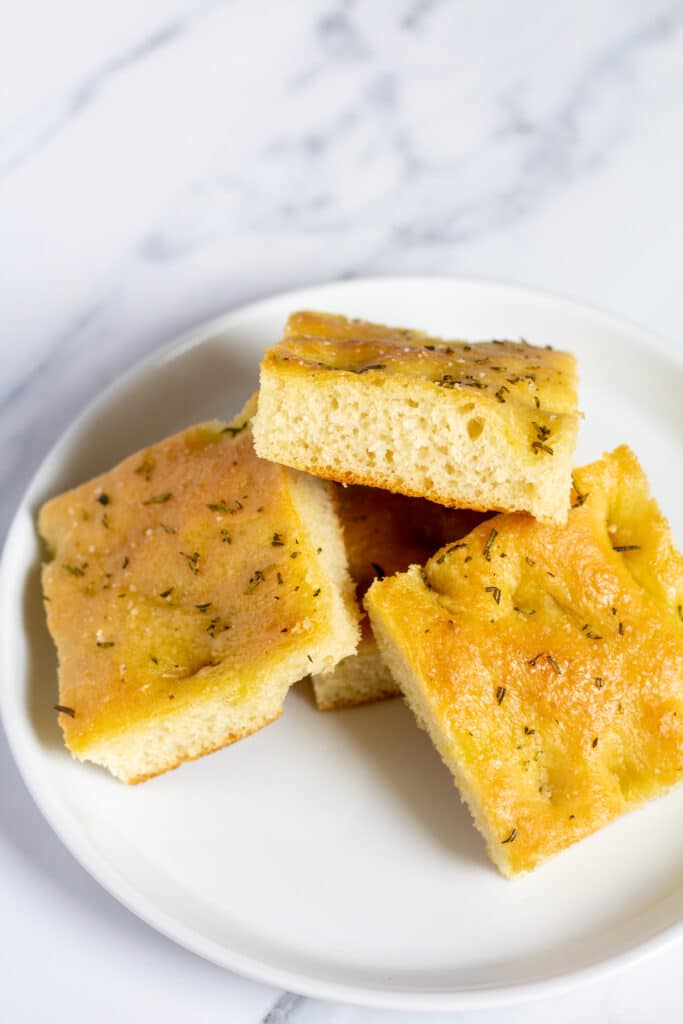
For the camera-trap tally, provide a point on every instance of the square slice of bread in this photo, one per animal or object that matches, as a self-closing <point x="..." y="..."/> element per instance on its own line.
<point x="384" y="533"/>
<point x="491" y="425"/>
<point x="187" y="589"/>
<point x="546" y="663"/>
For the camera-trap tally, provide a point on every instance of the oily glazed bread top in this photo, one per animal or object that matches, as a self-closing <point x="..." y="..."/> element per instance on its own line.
<point x="547" y="663"/>
<point x="490" y="425"/>
<point x="187" y="571"/>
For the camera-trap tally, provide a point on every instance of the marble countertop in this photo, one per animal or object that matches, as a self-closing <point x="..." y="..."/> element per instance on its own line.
<point x="163" y="162"/>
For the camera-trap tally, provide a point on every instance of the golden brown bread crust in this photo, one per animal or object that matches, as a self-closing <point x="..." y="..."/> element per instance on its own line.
<point x="330" y="343"/>
<point x="547" y="662"/>
<point x="486" y="425"/>
<point x="383" y="533"/>
<point x="188" y="576"/>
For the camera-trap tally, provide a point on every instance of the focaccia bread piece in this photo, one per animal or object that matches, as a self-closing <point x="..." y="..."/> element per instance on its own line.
<point x="188" y="588"/>
<point x="490" y="425"/>
<point x="547" y="663"/>
<point x="384" y="533"/>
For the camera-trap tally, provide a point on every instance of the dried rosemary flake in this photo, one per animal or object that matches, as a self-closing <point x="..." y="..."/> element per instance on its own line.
<point x="511" y="838"/>
<point x="257" y="578"/>
<point x="495" y="593"/>
<point x="542" y="432"/>
<point x="553" y="664"/>
<point x="524" y="611"/>
<point x="226" y="536"/>
<point x="166" y="593"/>
<point x="64" y="710"/>
<point x="374" y="366"/>
<point x="203" y="607"/>
<point x="316" y="593"/>
<point x="145" y="468"/>
<point x="500" y="393"/>
<point x="158" y="499"/>
<point x="222" y="506"/>
<point x="166" y="528"/>
<point x="448" y="551"/>
<point x="192" y="561"/>
<point x="76" y="570"/>
<point x="500" y="694"/>
<point x="539" y="446"/>
<point x="598" y="682"/>
<point x="595" y="743"/>
<point x="105" y="643"/>
<point x="580" y="498"/>
<point x="487" y="547"/>
<point x="234" y="431"/>
<point x="626" y="547"/>
<point x="277" y="541"/>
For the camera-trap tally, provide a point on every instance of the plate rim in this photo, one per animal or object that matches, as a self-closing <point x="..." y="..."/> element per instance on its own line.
<point x="113" y="881"/>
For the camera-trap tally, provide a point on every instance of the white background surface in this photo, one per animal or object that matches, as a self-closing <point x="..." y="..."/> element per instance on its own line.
<point x="160" y="163"/>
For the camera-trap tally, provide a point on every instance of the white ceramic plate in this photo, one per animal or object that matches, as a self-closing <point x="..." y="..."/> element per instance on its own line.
<point x="330" y="854"/>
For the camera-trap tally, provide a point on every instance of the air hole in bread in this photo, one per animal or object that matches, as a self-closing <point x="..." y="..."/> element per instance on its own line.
<point x="474" y="428"/>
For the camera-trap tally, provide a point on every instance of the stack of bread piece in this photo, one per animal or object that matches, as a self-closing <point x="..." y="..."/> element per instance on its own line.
<point x="397" y="514"/>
